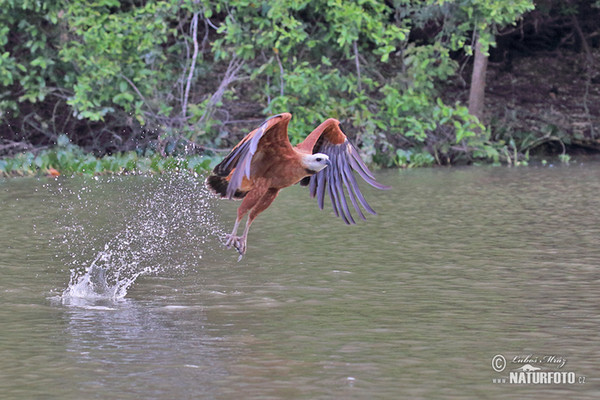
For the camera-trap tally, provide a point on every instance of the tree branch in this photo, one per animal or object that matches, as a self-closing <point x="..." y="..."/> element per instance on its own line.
<point x="230" y="76"/>
<point x="477" y="89"/>
<point x="281" y="80"/>
<point x="584" y="44"/>
<point x="356" y="55"/>
<point x="188" y="84"/>
<point x="137" y="91"/>
<point x="589" y="62"/>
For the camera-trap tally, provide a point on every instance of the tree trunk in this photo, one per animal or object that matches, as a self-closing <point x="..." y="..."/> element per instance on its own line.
<point x="477" y="90"/>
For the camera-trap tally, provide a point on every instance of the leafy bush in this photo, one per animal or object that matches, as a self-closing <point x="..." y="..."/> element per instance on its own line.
<point x="116" y="76"/>
<point x="68" y="159"/>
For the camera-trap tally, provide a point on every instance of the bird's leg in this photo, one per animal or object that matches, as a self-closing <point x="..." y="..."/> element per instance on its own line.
<point x="238" y="242"/>
<point x="232" y="238"/>
<point x="265" y="201"/>
<point x="256" y="202"/>
<point x="242" y="240"/>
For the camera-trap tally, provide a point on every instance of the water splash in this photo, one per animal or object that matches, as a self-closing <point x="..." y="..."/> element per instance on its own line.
<point x="118" y="229"/>
<point x="102" y="280"/>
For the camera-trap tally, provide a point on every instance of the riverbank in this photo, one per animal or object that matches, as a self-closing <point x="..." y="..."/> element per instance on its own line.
<point x="68" y="159"/>
<point x="60" y="161"/>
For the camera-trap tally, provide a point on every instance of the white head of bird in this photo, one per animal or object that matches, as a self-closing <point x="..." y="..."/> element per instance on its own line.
<point x="315" y="162"/>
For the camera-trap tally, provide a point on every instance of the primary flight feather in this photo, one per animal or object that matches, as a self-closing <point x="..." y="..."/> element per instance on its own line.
<point x="264" y="162"/>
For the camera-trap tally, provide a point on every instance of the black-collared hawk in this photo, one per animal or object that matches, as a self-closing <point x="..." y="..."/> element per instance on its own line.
<point x="264" y="162"/>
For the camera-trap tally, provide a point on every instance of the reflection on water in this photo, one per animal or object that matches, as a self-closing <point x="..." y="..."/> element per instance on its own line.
<point x="459" y="265"/>
<point x="157" y="347"/>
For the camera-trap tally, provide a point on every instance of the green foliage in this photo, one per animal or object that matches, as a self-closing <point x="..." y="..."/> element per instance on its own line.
<point x="154" y="70"/>
<point x="29" y="61"/>
<point x="483" y="17"/>
<point x="68" y="159"/>
<point x="412" y="159"/>
<point x="564" y="158"/>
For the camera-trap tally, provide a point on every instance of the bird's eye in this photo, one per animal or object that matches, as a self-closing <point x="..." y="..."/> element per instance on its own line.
<point x="319" y="159"/>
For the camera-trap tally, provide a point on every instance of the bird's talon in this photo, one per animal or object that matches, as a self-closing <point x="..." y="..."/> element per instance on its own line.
<point x="231" y="240"/>
<point x="237" y="242"/>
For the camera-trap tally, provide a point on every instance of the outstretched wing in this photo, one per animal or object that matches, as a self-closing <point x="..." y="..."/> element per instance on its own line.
<point x="270" y="137"/>
<point x="329" y="139"/>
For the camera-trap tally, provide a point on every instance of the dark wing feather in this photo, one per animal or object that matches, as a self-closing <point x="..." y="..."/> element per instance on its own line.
<point x="271" y="133"/>
<point x="344" y="160"/>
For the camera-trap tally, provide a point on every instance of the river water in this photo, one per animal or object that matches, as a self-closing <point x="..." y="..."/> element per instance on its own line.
<point x="120" y="288"/>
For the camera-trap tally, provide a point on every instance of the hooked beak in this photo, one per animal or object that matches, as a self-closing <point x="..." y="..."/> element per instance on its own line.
<point x="328" y="163"/>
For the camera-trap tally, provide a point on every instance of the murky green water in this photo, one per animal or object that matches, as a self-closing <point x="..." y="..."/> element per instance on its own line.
<point x="460" y="265"/>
